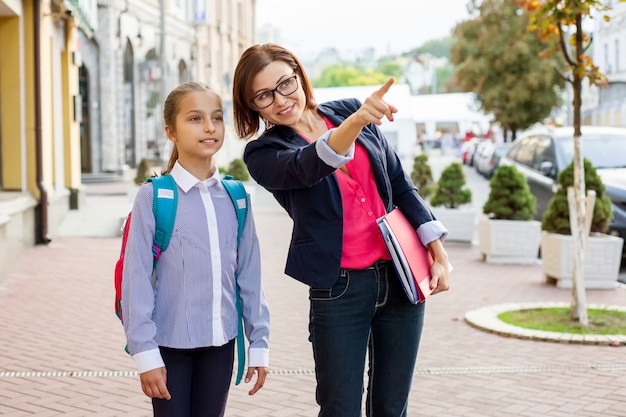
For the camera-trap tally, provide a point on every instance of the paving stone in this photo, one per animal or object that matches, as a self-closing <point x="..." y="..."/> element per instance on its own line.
<point x="61" y="346"/>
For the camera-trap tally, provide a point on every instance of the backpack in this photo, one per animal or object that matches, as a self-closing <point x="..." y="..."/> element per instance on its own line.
<point x="164" y="206"/>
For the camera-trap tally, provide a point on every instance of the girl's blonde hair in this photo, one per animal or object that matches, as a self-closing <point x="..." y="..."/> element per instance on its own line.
<point x="171" y="107"/>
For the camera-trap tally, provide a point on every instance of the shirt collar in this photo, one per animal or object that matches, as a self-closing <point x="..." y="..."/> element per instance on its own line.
<point x="186" y="181"/>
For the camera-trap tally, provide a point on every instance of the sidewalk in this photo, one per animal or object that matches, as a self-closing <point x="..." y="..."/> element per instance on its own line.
<point x="61" y="345"/>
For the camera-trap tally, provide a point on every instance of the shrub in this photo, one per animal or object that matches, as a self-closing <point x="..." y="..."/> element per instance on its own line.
<point x="556" y="217"/>
<point x="237" y="168"/>
<point x="144" y="171"/>
<point x="450" y="191"/>
<point x="422" y="175"/>
<point x="509" y="197"/>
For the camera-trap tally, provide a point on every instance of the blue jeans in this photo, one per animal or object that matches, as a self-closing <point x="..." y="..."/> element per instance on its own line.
<point x="366" y="313"/>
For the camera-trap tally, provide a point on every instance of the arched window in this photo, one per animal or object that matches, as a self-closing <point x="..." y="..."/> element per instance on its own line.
<point x="183" y="72"/>
<point x="129" y="105"/>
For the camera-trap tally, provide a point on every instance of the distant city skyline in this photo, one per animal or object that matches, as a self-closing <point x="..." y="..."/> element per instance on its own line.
<point x="351" y="26"/>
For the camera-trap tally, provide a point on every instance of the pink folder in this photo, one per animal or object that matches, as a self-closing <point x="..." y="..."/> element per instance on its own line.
<point x="411" y="259"/>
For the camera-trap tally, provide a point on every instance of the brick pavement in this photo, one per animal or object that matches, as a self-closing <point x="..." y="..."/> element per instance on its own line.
<point x="61" y="346"/>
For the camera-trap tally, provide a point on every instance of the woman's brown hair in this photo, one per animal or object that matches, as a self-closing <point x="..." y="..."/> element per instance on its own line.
<point x="171" y="107"/>
<point x="252" y="62"/>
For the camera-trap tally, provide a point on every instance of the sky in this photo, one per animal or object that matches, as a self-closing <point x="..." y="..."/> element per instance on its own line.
<point x="390" y="26"/>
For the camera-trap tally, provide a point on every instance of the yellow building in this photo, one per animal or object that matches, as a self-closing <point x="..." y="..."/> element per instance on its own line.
<point x="39" y="119"/>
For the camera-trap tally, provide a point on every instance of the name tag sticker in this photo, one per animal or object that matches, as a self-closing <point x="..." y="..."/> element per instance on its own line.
<point x="241" y="203"/>
<point x="163" y="193"/>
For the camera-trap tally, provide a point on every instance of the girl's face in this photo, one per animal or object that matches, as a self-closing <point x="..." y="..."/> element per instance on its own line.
<point x="199" y="128"/>
<point x="272" y="82"/>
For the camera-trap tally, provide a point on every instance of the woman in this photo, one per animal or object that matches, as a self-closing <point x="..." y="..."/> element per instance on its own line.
<point x="333" y="171"/>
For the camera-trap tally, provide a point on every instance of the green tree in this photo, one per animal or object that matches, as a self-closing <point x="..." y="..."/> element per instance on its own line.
<point x="498" y="59"/>
<point x="445" y="81"/>
<point x="436" y="47"/>
<point x="389" y="67"/>
<point x="560" y="24"/>
<point x="345" y="76"/>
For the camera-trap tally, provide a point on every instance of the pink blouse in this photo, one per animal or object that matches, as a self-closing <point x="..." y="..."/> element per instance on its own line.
<point x="362" y="243"/>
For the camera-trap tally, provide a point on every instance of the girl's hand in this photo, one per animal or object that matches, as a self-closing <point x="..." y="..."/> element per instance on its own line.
<point x="260" y="380"/>
<point x="153" y="383"/>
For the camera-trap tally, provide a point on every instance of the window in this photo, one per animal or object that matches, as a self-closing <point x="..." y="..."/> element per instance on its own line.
<point x="522" y="152"/>
<point x="603" y="151"/>
<point x="616" y="55"/>
<point x="533" y="151"/>
<point x="543" y="152"/>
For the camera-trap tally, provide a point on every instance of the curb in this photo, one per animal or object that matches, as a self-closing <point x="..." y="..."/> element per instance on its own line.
<point x="486" y="318"/>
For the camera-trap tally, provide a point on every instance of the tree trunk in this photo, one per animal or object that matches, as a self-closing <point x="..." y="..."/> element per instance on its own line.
<point x="578" y="309"/>
<point x="578" y="214"/>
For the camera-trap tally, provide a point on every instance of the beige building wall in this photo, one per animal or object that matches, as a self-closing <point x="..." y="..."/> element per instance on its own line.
<point x="229" y="29"/>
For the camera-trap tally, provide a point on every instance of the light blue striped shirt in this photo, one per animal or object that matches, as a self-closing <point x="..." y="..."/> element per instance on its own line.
<point x="193" y="303"/>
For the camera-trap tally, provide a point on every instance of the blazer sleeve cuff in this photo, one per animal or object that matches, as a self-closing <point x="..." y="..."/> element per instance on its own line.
<point x="148" y="360"/>
<point x="431" y="231"/>
<point x="328" y="155"/>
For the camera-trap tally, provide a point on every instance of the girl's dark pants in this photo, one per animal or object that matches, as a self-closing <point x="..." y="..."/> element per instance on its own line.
<point x="198" y="381"/>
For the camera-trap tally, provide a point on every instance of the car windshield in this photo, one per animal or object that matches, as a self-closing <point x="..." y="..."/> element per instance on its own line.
<point x="603" y="151"/>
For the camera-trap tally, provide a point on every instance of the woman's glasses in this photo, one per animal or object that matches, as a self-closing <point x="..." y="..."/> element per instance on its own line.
<point x="266" y="98"/>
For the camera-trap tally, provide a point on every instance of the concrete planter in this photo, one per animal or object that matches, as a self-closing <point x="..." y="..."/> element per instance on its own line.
<point x="460" y="222"/>
<point x="509" y="241"/>
<point x="602" y="260"/>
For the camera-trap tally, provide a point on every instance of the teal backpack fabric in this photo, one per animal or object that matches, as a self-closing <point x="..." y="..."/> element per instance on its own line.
<point x="238" y="196"/>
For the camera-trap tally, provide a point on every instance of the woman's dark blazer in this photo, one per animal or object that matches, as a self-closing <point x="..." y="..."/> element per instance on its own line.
<point x="288" y="166"/>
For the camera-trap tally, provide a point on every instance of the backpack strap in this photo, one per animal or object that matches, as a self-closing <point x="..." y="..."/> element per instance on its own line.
<point x="164" y="203"/>
<point x="237" y="193"/>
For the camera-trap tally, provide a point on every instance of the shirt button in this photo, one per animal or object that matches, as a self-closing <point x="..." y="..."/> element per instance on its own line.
<point x="363" y="200"/>
<point x="370" y="214"/>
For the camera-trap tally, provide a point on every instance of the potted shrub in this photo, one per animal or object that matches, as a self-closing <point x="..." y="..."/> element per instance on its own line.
<point x="509" y="233"/>
<point x="144" y="171"/>
<point x="237" y="168"/>
<point x="603" y="253"/>
<point x="422" y="176"/>
<point x="451" y="193"/>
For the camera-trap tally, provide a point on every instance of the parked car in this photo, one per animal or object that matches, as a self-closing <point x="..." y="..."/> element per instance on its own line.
<point x="468" y="150"/>
<point x="542" y="153"/>
<point x="465" y="149"/>
<point x="492" y="163"/>
<point x="482" y="154"/>
<point x="488" y="157"/>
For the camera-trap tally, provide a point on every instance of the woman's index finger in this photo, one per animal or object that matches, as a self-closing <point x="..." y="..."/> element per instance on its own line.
<point x="384" y="88"/>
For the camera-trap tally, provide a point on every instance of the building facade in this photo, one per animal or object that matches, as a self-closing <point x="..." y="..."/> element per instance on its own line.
<point x="609" y="54"/>
<point x="82" y="84"/>
<point x="39" y="121"/>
